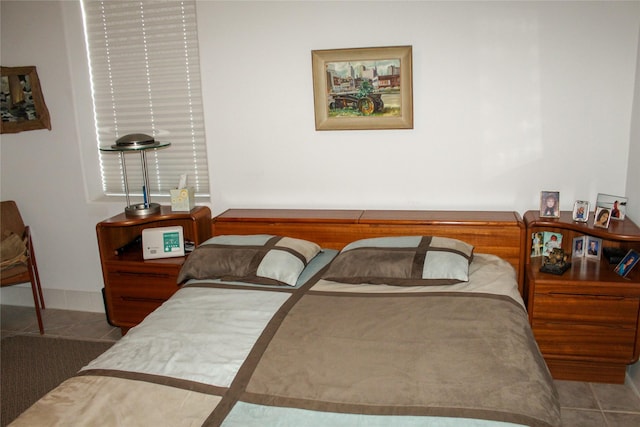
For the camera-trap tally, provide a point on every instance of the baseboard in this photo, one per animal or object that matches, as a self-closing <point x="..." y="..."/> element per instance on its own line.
<point x="63" y="299"/>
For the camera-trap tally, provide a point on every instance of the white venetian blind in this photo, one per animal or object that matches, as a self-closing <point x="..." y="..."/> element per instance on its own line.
<point x="145" y="75"/>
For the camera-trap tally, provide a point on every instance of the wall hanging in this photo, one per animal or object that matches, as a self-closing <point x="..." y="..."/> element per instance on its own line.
<point x="363" y="88"/>
<point x="21" y="101"/>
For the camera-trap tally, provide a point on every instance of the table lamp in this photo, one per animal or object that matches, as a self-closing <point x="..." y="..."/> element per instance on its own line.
<point x="137" y="142"/>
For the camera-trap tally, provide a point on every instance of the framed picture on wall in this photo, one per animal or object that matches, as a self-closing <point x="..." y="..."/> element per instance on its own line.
<point x="363" y="88"/>
<point x="21" y="100"/>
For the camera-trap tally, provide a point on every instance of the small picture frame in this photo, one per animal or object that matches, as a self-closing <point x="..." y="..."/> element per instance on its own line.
<point x="578" y="247"/>
<point x="581" y="211"/>
<point x="550" y="204"/>
<point x="627" y="263"/>
<point x="617" y="205"/>
<point x="602" y="217"/>
<point x="593" y="247"/>
<point x="537" y="244"/>
<point x="551" y="240"/>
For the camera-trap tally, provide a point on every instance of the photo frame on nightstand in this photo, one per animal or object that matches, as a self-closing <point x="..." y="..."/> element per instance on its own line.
<point x="537" y="242"/>
<point x="593" y="248"/>
<point x="550" y="241"/>
<point x="578" y="247"/>
<point x="581" y="211"/>
<point x="550" y="204"/>
<point x="628" y="262"/>
<point x="602" y="217"/>
<point x="617" y="205"/>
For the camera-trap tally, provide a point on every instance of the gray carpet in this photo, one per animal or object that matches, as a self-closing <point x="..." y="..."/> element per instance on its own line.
<point x="31" y="366"/>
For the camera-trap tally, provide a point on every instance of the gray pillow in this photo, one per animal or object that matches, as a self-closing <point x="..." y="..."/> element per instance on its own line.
<point x="403" y="261"/>
<point x="260" y="258"/>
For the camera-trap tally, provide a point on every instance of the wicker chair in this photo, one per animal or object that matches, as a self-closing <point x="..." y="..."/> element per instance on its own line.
<point x="21" y="267"/>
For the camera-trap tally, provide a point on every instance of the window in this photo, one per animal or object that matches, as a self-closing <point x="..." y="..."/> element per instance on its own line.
<point x="145" y="74"/>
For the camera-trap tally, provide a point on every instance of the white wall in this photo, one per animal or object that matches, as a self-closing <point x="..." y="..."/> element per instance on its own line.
<point x="509" y="99"/>
<point x="41" y="170"/>
<point x="633" y="175"/>
<point x="633" y="180"/>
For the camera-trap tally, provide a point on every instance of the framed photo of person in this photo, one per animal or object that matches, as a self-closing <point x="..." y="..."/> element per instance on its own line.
<point x="550" y="204"/>
<point x="594" y="247"/>
<point x="550" y="241"/>
<point x="616" y="204"/>
<point x="537" y="243"/>
<point x="602" y="217"/>
<point x="578" y="247"/>
<point x="581" y="211"/>
<point x="627" y="263"/>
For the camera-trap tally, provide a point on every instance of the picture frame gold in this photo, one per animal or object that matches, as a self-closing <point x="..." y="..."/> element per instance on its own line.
<point x="21" y="102"/>
<point x="363" y="88"/>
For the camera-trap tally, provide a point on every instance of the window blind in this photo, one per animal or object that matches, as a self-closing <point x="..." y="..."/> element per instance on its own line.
<point x="145" y="72"/>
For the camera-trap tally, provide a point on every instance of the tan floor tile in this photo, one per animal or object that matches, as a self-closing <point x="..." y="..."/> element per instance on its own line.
<point x="616" y="397"/>
<point x="619" y="419"/>
<point x="582" y="418"/>
<point x="577" y="395"/>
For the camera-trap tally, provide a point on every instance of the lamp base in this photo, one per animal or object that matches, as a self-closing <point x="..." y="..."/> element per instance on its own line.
<point x="140" y="209"/>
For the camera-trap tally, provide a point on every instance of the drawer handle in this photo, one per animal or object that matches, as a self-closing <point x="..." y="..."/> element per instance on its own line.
<point x="599" y="325"/>
<point x="607" y="297"/>
<point x="141" y="299"/>
<point x="136" y="274"/>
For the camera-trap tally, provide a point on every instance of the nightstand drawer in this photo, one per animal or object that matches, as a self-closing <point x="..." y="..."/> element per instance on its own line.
<point x="583" y="340"/>
<point x="132" y="295"/>
<point x="145" y="286"/>
<point x="621" y="312"/>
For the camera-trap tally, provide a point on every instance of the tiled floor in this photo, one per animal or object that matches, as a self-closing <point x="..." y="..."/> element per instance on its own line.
<point x="583" y="404"/>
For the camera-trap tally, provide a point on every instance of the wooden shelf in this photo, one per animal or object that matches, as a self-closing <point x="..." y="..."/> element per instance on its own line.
<point x="587" y="320"/>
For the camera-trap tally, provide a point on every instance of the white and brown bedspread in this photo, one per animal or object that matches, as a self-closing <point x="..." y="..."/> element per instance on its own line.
<point x="323" y="354"/>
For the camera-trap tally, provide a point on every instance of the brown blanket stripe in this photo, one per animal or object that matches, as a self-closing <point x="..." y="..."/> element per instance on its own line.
<point x="420" y="256"/>
<point x="415" y="294"/>
<point x="156" y="379"/>
<point x="239" y="383"/>
<point x="244" y="285"/>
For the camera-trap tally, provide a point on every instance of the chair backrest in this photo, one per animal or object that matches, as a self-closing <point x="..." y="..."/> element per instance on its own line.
<point x="10" y="219"/>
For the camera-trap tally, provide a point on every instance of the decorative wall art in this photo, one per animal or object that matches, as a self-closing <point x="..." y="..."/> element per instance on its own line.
<point x="363" y="88"/>
<point x="21" y="101"/>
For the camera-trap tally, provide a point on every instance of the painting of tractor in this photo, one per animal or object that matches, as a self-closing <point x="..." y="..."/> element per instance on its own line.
<point x="359" y="90"/>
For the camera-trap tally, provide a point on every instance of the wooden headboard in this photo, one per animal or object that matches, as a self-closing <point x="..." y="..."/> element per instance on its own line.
<point x="499" y="233"/>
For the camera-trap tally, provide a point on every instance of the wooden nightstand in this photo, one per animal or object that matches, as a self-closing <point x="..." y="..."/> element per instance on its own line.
<point x="586" y="321"/>
<point x="134" y="287"/>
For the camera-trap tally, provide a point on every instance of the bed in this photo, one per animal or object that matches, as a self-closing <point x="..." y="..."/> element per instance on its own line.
<point x="329" y="318"/>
